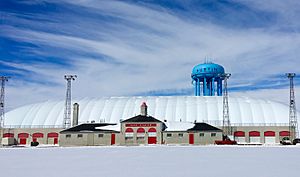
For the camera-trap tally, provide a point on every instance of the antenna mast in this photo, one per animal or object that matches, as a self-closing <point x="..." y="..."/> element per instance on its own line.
<point x="3" y="79"/>
<point x="226" y="120"/>
<point x="293" y="123"/>
<point x="68" y="103"/>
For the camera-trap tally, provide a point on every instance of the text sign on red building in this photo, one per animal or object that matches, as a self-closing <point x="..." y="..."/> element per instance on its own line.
<point x="140" y="125"/>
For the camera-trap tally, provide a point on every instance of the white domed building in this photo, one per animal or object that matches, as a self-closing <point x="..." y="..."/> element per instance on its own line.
<point x="252" y="120"/>
<point x="188" y="109"/>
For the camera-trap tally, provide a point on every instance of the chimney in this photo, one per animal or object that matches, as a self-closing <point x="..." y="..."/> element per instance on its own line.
<point x="75" y="114"/>
<point x="144" y="109"/>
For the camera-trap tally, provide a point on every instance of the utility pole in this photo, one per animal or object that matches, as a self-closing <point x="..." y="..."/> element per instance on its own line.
<point x="68" y="103"/>
<point x="293" y="123"/>
<point x="3" y="79"/>
<point x="226" y="120"/>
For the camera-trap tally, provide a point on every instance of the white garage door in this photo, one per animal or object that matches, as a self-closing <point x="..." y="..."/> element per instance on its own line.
<point x="254" y="139"/>
<point x="270" y="140"/>
<point x="240" y="139"/>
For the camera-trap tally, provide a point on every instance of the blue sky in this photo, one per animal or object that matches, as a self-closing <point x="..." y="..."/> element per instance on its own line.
<point x="136" y="47"/>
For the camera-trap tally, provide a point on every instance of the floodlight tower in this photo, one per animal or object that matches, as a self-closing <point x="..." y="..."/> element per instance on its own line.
<point x="226" y="120"/>
<point x="3" y="79"/>
<point x="293" y="123"/>
<point x="68" y="103"/>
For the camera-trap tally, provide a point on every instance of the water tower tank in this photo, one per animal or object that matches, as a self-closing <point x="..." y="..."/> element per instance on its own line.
<point x="205" y="76"/>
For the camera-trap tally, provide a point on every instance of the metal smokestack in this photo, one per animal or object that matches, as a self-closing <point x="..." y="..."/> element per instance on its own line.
<point x="75" y="113"/>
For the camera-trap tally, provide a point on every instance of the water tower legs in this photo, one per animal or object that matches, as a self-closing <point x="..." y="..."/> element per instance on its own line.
<point x="204" y="87"/>
<point x="219" y="83"/>
<point x="213" y="87"/>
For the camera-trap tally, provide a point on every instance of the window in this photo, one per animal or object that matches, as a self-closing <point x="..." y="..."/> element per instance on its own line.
<point x="79" y="136"/>
<point x="68" y="136"/>
<point x="100" y="135"/>
<point x="140" y="138"/>
<point x="213" y="134"/>
<point x="128" y="138"/>
<point x="140" y="133"/>
<point x="180" y="135"/>
<point x="201" y="134"/>
<point x="129" y="133"/>
<point x="169" y="134"/>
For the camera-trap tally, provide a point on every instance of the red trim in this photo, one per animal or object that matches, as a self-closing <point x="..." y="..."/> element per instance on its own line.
<point x="38" y="135"/>
<point x="140" y="125"/>
<point x="254" y="133"/>
<point x="52" y="135"/>
<point x="8" y="135"/>
<point x="239" y="134"/>
<point x="129" y="130"/>
<point x="284" y="133"/>
<point x="152" y="130"/>
<point x="269" y="133"/>
<point x="23" y="135"/>
<point x="140" y="130"/>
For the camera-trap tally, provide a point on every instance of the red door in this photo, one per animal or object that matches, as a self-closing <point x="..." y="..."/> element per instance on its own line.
<point x="191" y="138"/>
<point x="152" y="136"/>
<point x="55" y="141"/>
<point x="23" y="141"/>
<point x="151" y="140"/>
<point x="113" y="139"/>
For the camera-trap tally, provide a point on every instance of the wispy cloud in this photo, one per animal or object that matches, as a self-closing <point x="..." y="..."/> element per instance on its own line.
<point x="126" y="48"/>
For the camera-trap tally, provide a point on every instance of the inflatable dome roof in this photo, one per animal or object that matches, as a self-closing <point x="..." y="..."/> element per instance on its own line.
<point x="242" y="110"/>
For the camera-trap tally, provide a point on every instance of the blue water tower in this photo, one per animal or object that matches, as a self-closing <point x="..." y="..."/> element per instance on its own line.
<point x="205" y="76"/>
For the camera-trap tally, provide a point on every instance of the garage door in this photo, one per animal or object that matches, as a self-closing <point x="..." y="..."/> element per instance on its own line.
<point x="239" y="136"/>
<point x="240" y="139"/>
<point x="23" y="138"/>
<point x="36" y="136"/>
<point x="254" y="140"/>
<point x="284" y="133"/>
<point x="270" y="137"/>
<point x="270" y="140"/>
<point x="52" y="138"/>
<point x="254" y="137"/>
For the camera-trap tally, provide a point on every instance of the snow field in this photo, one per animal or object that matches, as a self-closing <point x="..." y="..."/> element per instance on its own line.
<point x="151" y="161"/>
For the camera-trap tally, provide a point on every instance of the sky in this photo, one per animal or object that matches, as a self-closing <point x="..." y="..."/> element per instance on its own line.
<point x="146" y="47"/>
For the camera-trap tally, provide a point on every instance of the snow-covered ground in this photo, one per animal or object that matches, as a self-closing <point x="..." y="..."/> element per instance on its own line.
<point x="151" y="161"/>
